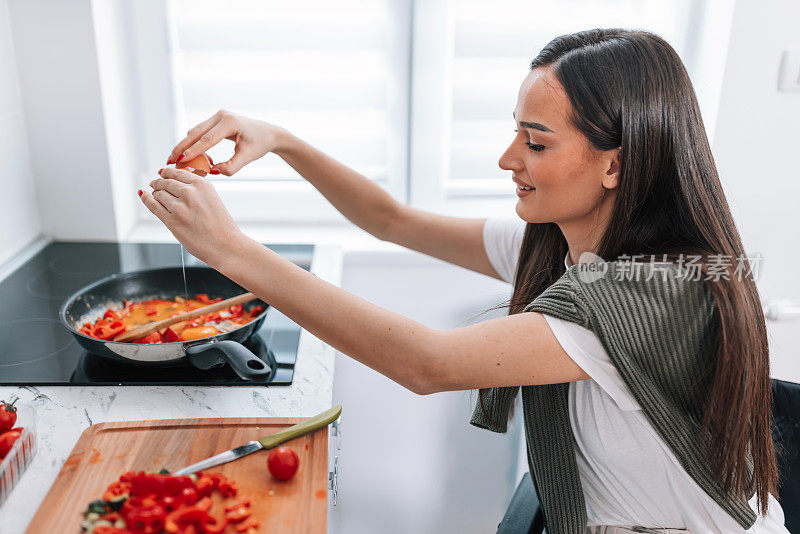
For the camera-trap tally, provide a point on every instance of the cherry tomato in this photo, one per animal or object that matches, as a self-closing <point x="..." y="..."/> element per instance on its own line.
<point x="7" y="441"/>
<point x="8" y="416"/>
<point x="283" y="463"/>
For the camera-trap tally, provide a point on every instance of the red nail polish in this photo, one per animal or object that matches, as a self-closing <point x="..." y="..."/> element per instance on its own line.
<point x="141" y="192"/>
<point x="180" y="158"/>
<point x="215" y="171"/>
<point x="169" y="160"/>
<point x="159" y="170"/>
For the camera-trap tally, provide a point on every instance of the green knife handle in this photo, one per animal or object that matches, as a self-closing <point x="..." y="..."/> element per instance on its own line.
<point x="309" y="425"/>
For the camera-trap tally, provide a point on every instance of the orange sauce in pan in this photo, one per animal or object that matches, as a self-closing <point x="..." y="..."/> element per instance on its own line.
<point x="133" y="314"/>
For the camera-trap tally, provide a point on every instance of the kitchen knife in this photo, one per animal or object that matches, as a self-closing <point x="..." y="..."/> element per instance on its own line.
<point x="309" y="425"/>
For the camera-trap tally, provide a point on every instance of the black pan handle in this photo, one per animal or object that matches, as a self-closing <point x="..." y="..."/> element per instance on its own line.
<point x="246" y="364"/>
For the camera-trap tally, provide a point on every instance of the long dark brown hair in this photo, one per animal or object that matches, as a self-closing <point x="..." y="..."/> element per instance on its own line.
<point x="629" y="89"/>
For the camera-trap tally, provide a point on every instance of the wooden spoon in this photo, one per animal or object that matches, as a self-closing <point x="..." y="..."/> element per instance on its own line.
<point x="149" y="328"/>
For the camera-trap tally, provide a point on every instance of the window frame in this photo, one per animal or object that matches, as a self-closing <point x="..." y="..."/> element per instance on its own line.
<point x="249" y="200"/>
<point x="418" y="167"/>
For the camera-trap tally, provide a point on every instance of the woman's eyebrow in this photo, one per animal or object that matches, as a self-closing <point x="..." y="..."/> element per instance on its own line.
<point x="533" y="125"/>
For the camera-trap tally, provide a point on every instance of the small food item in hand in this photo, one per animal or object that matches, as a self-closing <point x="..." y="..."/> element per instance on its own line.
<point x="7" y="440"/>
<point x="200" y="165"/>
<point x="283" y="463"/>
<point x="8" y="415"/>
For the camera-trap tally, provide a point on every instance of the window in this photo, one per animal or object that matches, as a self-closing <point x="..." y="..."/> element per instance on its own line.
<point x="333" y="73"/>
<point x="416" y="95"/>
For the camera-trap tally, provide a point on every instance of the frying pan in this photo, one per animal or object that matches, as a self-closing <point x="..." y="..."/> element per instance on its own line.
<point x="89" y="303"/>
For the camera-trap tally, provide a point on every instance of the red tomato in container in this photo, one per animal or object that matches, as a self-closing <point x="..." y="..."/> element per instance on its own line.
<point x="283" y="463"/>
<point x="7" y="441"/>
<point x="8" y="416"/>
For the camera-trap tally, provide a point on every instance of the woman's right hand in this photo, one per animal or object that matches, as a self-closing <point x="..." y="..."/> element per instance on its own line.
<point x="253" y="138"/>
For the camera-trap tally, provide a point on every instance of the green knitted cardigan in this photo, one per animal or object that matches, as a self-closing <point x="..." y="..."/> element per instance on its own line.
<point x="658" y="326"/>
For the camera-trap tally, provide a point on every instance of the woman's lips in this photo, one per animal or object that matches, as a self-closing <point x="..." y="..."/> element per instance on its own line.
<point x="524" y="192"/>
<point x="523" y="189"/>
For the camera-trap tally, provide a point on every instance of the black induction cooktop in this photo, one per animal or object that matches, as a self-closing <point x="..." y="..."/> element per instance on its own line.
<point x="36" y="349"/>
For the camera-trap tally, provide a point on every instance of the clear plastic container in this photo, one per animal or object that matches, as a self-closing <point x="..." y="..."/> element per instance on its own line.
<point x="14" y="464"/>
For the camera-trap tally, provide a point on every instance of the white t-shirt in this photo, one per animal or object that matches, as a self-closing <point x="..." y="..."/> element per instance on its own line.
<point x="629" y="475"/>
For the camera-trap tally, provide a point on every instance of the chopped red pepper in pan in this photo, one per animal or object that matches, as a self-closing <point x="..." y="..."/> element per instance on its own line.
<point x="133" y="314"/>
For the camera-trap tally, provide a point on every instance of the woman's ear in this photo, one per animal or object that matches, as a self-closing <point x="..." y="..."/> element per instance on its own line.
<point x="611" y="178"/>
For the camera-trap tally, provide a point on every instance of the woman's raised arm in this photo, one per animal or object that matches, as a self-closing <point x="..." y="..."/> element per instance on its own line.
<point x="513" y="350"/>
<point x="362" y="201"/>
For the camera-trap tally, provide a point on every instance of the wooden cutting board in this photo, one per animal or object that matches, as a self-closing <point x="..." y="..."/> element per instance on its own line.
<point x="106" y="450"/>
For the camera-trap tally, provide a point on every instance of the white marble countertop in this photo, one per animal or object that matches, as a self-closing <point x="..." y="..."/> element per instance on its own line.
<point x="64" y="412"/>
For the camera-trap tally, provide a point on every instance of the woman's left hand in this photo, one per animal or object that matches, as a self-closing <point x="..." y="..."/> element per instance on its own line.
<point x="190" y="207"/>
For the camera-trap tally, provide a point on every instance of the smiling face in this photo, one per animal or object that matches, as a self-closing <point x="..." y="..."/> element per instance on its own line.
<point x="572" y="182"/>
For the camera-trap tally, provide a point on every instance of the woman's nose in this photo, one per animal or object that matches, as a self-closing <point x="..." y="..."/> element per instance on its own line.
<point x="508" y="161"/>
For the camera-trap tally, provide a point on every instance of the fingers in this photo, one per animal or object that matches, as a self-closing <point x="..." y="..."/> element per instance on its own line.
<point x="154" y="206"/>
<point x="173" y="187"/>
<point x="233" y="165"/>
<point x="167" y="200"/>
<point x="192" y="136"/>
<point x="217" y="133"/>
<point x="179" y="175"/>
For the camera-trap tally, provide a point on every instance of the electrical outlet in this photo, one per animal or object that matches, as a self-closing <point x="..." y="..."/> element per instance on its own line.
<point x="789" y="78"/>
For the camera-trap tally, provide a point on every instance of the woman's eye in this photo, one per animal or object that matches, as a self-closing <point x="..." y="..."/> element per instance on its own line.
<point x="535" y="148"/>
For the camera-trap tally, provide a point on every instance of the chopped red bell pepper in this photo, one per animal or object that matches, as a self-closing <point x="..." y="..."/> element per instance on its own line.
<point x="211" y="317"/>
<point x="204" y="486"/>
<point x="143" y="515"/>
<point x="238" y="503"/>
<point x="180" y="519"/>
<point x="187" y="496"/>
<point x="202" y="297"/>
<point x="155" y="337"/>
<point x="111" y="314"/>
<point x="228" y="489"/>
<point x="236" y="311"/>
<point x="237" y="515"/>
<point x="108" y="529"/>
<point x="169" y="336"/>
<point x="256" y="310"/>
<point x="108" y="330"/>
<point x="248" y="526"/>
<point x="116" y="489"/>
<point x="150" y="310"/>
<point x="212" y="525"/>
<point x="204" y="504"/>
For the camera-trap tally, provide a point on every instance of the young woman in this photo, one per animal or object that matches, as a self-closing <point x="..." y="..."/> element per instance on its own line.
<point x="609" y="157"/>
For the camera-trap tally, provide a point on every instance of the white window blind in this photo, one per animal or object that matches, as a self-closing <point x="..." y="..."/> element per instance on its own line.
<point x="416" y="95"/>
<point x="481" y="53"/>
<point x="333" y="73"/>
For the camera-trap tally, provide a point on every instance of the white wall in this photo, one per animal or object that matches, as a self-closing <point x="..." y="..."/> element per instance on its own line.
<point x="57" y="62"/>
<point x="412" y="463"/>
<point x="756" y="147"/>
<point x="19" y="218"/>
